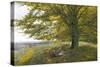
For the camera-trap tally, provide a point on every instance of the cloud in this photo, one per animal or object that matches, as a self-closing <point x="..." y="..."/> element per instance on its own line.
<point x="20" y="11"/>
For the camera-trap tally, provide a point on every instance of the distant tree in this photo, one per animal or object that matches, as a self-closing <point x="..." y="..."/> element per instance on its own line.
<point x="57" y="21"/>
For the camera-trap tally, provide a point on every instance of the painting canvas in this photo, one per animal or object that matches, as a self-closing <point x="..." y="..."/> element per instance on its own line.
<point x="48" y="33"/>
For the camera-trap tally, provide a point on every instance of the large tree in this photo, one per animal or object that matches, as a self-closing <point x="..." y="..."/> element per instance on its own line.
<point x="56" y="21"/>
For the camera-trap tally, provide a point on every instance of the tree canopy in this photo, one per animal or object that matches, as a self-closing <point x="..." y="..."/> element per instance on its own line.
<point x="60" y="22"/>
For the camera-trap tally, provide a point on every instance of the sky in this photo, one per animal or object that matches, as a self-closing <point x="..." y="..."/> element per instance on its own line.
<point x="20" y="11"/>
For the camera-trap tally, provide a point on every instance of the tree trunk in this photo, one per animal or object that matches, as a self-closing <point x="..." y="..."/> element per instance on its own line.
<point x="74" y="32"/>
<point x="74" y="36"/>
<point x="72" y="22"/>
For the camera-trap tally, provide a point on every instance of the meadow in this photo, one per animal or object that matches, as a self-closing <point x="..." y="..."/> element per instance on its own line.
<point x="55" y="53"/>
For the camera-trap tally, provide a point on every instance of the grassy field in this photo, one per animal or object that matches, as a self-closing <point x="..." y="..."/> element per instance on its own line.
<point x="56" y="53"/>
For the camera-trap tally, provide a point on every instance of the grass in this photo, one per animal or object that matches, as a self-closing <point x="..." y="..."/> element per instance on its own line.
<point x="44" y="54"/>
<point x="25" y="57"/>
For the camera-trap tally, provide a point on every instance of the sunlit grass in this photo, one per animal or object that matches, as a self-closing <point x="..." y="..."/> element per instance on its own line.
<point x="41" y="54"/>
<point x="25" y="57"/>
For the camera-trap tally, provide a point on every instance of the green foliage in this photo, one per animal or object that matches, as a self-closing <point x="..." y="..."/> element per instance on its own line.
<point x="55" y="21"/>
<point x="59" y="22"/>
